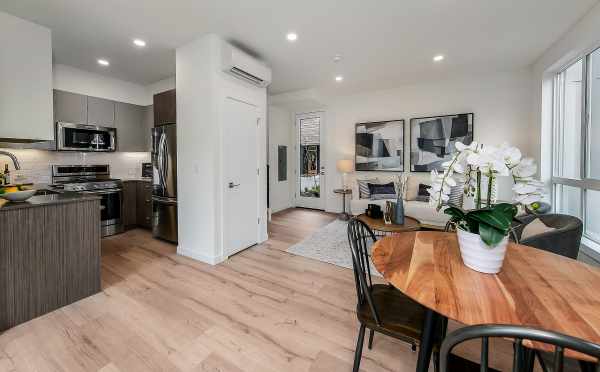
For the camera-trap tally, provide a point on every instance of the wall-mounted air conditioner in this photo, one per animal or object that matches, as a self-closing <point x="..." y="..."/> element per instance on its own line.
<point x="244" y="66"/>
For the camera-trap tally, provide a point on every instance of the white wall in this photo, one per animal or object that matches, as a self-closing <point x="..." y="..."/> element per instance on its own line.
<point x="79" y="81"/>
<point x="26" y="110"/>
<point x="201" y="91"/>
<point x="501" y="103"/>
<point x="74" y="80"/>
<point x="160" y="86"/>
<point x="281" y="133"/>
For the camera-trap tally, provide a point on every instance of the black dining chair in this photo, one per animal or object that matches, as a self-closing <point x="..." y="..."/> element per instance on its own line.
<point x="522" y="357"/>
<point x="381" y="307"/>
<point x="564" y="240"/>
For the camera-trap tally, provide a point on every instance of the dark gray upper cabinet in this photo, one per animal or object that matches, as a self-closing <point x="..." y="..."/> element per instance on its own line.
<point x="100" y="112"/>
<point x="148" y="125"/>
<point x="131" y="133"/>
<point x="70" y="107"/>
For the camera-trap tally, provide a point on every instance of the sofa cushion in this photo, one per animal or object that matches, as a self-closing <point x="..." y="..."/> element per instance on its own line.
<point x="421" y="211"/>
<point x="412" y="188"/>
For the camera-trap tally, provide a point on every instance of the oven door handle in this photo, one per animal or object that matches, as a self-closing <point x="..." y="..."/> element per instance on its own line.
<point x="103" y="192"/>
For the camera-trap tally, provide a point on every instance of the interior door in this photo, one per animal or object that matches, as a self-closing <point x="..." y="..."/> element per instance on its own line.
<point x="240" y="170"/>
<point x="310" y="173"/>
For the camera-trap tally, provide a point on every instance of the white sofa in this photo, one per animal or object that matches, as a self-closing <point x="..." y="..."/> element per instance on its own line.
<point x="422" y="211"/>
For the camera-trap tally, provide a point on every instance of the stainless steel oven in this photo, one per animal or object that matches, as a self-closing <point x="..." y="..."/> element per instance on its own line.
<point x="95" y="180"/>
<point x="111" y="210"/>
<point x="81" y="137"/>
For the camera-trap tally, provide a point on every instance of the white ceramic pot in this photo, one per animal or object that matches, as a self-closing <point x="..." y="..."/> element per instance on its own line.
<point x="479" y="256"/>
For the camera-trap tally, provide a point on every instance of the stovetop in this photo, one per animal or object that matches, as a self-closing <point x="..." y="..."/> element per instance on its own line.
<point x="83" y="178"/>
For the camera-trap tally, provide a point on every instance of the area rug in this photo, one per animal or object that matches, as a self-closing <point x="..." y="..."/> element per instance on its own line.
<point x="328" y="244"/>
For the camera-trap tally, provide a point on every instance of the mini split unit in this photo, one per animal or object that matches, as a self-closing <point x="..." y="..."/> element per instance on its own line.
<point x="243" y="66"/>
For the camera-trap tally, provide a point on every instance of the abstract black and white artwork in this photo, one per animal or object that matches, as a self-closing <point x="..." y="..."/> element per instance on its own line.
<point x="380" y="146"/>
<point x="433" y="139"/>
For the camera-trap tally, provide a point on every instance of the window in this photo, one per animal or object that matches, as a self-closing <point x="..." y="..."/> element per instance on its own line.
<point x="576" y="148"/>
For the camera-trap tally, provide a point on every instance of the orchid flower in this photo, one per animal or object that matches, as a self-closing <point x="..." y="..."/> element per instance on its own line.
<point x="489" y="161"/>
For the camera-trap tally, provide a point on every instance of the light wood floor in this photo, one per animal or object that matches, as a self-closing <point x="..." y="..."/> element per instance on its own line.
<point x="262" y="310"/>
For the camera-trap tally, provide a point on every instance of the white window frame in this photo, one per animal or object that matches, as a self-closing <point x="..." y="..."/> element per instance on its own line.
<point x="584" y="183"/>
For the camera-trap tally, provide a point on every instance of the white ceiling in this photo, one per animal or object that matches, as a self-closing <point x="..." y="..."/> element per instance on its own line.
<point x="383" y="42"/>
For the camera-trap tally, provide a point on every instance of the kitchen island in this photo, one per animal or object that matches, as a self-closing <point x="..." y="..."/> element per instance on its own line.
<point x="49" y="254"/>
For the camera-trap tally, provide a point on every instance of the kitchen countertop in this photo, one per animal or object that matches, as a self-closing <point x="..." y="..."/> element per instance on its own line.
<point x="42" y="200"/>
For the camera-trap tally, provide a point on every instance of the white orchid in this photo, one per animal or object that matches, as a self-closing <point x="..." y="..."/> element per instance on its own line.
<point x="525" y="169"/>
<point x="489" y="161"/>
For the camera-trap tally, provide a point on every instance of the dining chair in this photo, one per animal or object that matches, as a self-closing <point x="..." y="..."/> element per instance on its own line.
<point x="522" y="356"/>
<point x="564" y="240"/>
<point x="381" y="307"/>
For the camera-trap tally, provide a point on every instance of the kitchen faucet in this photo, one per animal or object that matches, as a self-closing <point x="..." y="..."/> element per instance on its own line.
<point x="13" y="158"/>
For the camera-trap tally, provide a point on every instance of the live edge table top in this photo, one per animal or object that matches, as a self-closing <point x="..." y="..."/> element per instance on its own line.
<point x="535" y="288"/>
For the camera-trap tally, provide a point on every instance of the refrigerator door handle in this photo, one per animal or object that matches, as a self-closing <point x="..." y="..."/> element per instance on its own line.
<point x="160" y="161"/>
<point x="165" y="167"/>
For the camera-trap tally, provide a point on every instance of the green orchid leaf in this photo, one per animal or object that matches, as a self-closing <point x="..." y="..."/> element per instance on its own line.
<point x="507" y="209"/>
<point x="490" y="235"/>
<point x="492" y="218"/>
<point x="456" y="213"/>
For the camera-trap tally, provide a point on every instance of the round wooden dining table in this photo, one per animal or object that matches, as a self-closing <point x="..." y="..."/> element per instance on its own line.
<point x="534" y="288"/>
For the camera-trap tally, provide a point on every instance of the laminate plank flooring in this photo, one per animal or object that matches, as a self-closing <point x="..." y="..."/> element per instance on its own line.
<point x="263" y="310"/>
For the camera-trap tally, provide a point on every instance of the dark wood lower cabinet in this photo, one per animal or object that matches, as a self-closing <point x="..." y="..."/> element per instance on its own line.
<point x="137" y="204"/>
<point x="49" y="258"/>
<point x="144" y="204"/>
<point x="130" y="204"/>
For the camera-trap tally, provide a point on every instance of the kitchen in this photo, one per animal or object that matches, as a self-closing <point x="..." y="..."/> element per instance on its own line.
<point x="99" y="157"/>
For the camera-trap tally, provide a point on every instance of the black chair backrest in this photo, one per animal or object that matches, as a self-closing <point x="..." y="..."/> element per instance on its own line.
<point x="359" y="237"/>
<point x="485" y="332"/>
<point x="565" y="240"/>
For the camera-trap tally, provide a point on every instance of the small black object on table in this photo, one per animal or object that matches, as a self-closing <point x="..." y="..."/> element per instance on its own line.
<point x="344" y="215"/>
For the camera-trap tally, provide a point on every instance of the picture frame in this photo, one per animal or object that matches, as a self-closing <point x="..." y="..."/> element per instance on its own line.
<point x="379" y="146"/>
<point x="432" y="139"/>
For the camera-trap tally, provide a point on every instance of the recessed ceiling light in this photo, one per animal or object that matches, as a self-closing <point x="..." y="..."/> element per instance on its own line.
<point x="139" y="42"/>
<point x="103" y="62"/>
<point x="339" y="78"/>
<point x="438" y="58"/>
<point x="337" y="58"/>
<point x="292" y="36"/>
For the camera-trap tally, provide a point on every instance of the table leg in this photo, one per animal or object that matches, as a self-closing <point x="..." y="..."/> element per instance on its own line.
<point x="344" y="215"/>
<point x="428" y="337"/>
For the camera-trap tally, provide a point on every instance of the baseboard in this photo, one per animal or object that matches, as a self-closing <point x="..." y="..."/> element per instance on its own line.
<point x="211" y="260"/>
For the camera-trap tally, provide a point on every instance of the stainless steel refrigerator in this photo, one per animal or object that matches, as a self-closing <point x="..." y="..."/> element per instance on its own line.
<point x="164" y="180"/>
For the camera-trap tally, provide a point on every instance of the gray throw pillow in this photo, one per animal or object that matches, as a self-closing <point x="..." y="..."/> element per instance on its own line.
<point x="363" y="188"/>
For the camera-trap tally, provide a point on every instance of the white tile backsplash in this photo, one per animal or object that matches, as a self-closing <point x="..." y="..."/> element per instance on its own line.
<point x="36" y="164"/>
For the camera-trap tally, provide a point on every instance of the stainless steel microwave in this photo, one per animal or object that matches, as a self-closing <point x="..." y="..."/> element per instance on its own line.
<point x="82" y="137"/>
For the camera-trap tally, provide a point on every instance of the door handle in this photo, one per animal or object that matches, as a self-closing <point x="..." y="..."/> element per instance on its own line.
<point x="232" y="185"/>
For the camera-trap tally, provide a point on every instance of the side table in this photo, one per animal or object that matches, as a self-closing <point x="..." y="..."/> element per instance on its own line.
<point x="344" y="216"/>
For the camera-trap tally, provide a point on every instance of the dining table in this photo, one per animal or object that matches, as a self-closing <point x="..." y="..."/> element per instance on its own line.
<point x="534" y="288"/>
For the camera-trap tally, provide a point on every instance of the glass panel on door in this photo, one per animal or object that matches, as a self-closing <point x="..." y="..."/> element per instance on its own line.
<point x="311" y="171"/>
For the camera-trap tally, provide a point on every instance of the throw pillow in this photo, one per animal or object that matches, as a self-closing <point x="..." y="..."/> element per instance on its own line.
<point x="456" y="196"/>
<point x="363" y="188"/>
<point x="535" y="227"/>
<point x="423" y="193"/>
<point x="382" y="191"/>
<point x="412" y="188"/>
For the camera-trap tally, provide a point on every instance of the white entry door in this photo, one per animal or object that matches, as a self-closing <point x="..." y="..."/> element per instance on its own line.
<point x="240" y="170"/>
<point x="310" y="174"/>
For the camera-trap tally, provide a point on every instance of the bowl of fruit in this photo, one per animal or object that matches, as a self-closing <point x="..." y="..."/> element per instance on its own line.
<point x="18" y="193"/>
